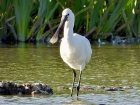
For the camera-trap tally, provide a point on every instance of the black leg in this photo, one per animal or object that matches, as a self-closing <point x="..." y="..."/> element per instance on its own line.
<point x="74" y="76"/>
<point x="78" y="86"/>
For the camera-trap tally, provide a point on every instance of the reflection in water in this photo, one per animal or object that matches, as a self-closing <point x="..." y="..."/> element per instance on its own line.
<point x="109" y="66"/>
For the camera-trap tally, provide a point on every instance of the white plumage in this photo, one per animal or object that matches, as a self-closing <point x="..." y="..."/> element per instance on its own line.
<point x="75" y="50"/>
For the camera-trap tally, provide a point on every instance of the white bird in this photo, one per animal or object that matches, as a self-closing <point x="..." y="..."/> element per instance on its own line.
<point x="75" y="50"/>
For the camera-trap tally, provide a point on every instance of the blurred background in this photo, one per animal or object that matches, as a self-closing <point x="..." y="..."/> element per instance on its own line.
<point x="37" y="20"/>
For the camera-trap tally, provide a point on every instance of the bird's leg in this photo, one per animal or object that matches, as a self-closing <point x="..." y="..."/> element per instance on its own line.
<point x="74" y="76"/>
<point x="78" y="86"/>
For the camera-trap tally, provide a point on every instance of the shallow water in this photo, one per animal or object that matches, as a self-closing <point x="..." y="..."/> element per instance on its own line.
<point x="109" y="66"/>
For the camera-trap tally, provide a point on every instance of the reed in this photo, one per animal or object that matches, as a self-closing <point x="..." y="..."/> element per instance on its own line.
<point x="32" y="17"/>
<point x="51" y="6"/>
<point x="22" y="12"/>
<point x="6" y="12"/>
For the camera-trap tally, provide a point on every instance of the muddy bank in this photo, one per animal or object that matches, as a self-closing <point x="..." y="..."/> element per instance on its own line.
<point x="11" y="88"/>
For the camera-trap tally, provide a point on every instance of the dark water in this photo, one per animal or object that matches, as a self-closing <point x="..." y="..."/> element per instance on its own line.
<point x="109" y="66"/>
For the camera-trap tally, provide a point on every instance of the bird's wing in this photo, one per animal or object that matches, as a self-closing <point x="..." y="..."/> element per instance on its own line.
<point x="85" y="42"/>
<point x="88" y="50"/>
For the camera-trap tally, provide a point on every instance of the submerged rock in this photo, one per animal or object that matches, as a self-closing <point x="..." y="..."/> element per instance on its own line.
<point x="112" y="89"/>
<point x="83" y="88"/>
<point x="60" y="88"/>
<point x="128" y="87"/>
<point x="100" y="88"/>
<point x="120" y="88"/>
<point x="103" y="88"/>
<point x="11" y="88"/>
<point x="87" y="89"/>
<point x="38" y="88"/>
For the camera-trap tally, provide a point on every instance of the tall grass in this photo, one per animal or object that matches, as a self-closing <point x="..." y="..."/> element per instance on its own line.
<point x="51" y="6"/>
<point x="35" y="19"/>
<point x="45" y="12"/>
<point x="22" y="13"/>
<point x="6" y="12"/>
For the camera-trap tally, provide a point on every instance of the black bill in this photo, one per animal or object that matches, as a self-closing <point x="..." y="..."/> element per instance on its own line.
<point x="55" y="37"/>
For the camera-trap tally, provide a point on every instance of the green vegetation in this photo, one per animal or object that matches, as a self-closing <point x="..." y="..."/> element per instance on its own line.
<point x="35" y="20"/>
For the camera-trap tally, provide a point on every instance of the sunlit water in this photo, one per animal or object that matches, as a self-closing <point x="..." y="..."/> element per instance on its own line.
<point x="109" y="66"/>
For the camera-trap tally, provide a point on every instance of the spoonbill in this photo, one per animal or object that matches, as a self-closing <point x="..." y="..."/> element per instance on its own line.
<point x="75" y="50"/>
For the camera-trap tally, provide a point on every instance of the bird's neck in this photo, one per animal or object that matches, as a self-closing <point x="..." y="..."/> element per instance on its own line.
<point x="68" y="30"/>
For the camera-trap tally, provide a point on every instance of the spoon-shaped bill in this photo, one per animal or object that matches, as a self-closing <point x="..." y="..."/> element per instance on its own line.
<point x="55" y="37"/>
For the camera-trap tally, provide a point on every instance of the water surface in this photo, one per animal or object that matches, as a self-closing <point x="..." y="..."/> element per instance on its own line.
<point x="109" y="66"/>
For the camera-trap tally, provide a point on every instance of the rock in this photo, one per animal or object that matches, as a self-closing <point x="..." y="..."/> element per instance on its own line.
<point x="10" y="88"/>
<point x="111" y="89"/>
<point x="86" y="89"/>
<point x="83" y="88"/>
<point x="60" y="88"/>
<point x="74" y="88"/>
<point x="115" y="89"/>
<point x="128" y="87"/>
<point x="100" y="88"/>
<point x="130" y="40"/>
<point x="38" y="88"/>
<point x="100" y="42"/>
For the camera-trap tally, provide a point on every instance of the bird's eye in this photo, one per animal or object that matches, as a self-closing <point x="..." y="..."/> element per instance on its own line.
<point x="68" y="14"/>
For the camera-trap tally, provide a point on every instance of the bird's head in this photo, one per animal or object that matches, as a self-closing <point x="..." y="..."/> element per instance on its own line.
<point x="67" y="15"/>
